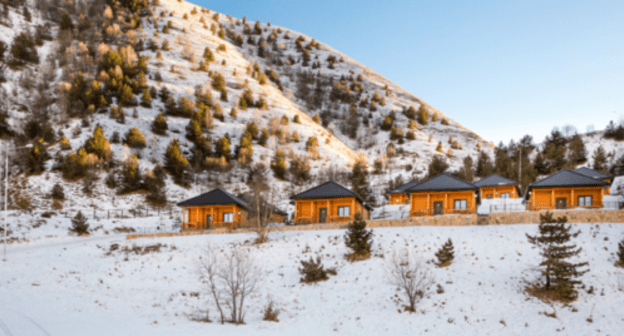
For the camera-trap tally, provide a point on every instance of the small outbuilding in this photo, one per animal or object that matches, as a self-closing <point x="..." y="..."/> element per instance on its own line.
<point x="599" y="176"/>
<point x="398" y="194"/>
<point x="214" y="209"/>
<point x="266" y="208"/>
<point x="565" y="189"/>
<point x="443" y="194"/>
<point x="327" y="203"/>
<point x="496" y="186"/>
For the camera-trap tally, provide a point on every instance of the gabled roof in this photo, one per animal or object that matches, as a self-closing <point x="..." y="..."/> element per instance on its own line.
<point x="249" y="199"/>
<point x="401" y="189"/>
<point x="329" y="189"/>
<point x="566" y="178"/>
<point x="215" y="197"/>
<point x="443" y="182"/>
<point x="494" y="181"/>
<point x="594" y="173"/>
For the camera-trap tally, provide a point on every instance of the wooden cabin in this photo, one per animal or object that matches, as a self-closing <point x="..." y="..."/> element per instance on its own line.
<point x="443" y="194"/>
<point x="214" y="209"/>
<point x="565" y="189"/>
<point x="398" y="194"/>
<point x="328" y="203"/>
<point x="496" y="186"/>
<point x="599" y="176"/>
<point x="277" y="215"/>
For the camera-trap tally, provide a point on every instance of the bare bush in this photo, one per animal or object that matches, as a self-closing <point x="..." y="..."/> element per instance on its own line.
<point x="410" y="275"/>
<point x="230" y="279"/>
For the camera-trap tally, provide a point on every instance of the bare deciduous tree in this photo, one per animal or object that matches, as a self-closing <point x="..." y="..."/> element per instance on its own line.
<point x="410" y="275"/>
<point x="261" y="202"/>
<point x="231" y="278"/>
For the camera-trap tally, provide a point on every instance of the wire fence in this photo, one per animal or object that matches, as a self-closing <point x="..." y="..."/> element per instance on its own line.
<point x="119" y="213"/>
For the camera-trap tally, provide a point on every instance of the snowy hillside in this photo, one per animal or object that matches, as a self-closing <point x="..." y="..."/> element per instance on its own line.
<point x="90" y="286"/>
<point x="309" y="81"/>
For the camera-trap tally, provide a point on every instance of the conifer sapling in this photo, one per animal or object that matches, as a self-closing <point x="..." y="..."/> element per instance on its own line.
<point x="558" y="275"/>
<point x="79" y="225"/>
<point x="445" y="254"/>
<point x="358" y="239"/>
<point x="620" y="254"/>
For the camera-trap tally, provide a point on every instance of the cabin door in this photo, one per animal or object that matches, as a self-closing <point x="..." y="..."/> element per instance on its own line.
<point x="323" y="215"/>
<point x="561" y="203"/>
<point x="208" y="221"/>
<point x="438" y="208"/>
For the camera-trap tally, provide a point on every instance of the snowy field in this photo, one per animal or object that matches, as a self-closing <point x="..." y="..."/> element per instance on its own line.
<point x="72" y="287"/>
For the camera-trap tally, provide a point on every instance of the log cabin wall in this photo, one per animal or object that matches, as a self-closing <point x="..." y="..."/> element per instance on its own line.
<point x="546" y="198"/>
<point x="307" y="210"/>
<point x="398" y="199"/>
<point x="422" y="203"/>
<point x="495" y="192"/>
<point x="197" y="216"/>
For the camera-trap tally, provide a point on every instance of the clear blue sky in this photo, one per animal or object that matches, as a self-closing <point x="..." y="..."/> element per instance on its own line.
<point x="501" y="68"/>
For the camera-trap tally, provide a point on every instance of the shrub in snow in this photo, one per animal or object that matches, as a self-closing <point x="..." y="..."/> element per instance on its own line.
<point x="423" y="115"/>
<point x="270" y="313"/>
<point x="134" y="138"/>
<point x="445" y="254"/>
<point x="620" y="254"/>
<point x="558" y="276"/>
<point x="313" y="271"/>
<point x="57" y="192"/>
<point x="159" y="125"/>
<point x="230" y="279"/>
<point x="412" y="277"/>
<point x="79" y="225"/>
<point x="358" y="239"/>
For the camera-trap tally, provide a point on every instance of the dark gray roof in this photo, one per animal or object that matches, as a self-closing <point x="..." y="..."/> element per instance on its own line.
<point x="214" y="197"/>
<point x="401" y="189"/>
<point x="329" y="189"/>
<point x="249" y="199"/>
<point x="443" y="182"/>
<point x="594" y="173"/>
<point x="494" y="181"/>
<point x="566" y="178"/>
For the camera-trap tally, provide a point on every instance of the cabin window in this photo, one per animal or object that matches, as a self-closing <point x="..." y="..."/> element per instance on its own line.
<point x="344" y="211"/>
<point x="584" y="200"/>
<point x="489" y="196"/>
<point x="228" y="217"/>
<point x="504" y="195"/>
<point x="460" y="204"/>
<point x="186" y="215"/>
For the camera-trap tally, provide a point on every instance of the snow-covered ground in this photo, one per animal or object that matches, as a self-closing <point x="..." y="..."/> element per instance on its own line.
<point x="75" y="288"/>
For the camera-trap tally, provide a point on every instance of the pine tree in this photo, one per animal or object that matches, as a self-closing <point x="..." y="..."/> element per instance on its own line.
<point x="578" y="154"/>
<point x="423" y="115"/>
<point x="620" y="254"/>
<point x="358" y="239"/>
<point x="98" y="144"/>
<point x="359" y="180"/>
<point x="37" y="157"/>
<point x="79" y="225"/>
<point x="600" y="159"/>
<point x="155" y="183"/>
<point x="57" y="192"/>
<point x="445" y="254"/>
<point x="159" y="125"/>
<point x="131" y="175"/>
<point x="223" y="148"/>
<point x="278" y="165"/>
<point x="134" y="138"/>
<point x="559" y="276"/>
<point x="146" y="99"/>
<point x="484" y="165"/>
<point x="502" y="162"/>
<point x="437" y="166"/>
<point x="541" y="166"/>
<point x="439" y="147"/>
<point x="175" y="163"/>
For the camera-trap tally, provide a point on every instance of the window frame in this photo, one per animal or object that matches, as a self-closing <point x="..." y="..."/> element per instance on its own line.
<point x="505" y="195"/>
<point x="461" y="202"/>
<point x="341" y="211"/>
<point x="584" y="199"/>
<point x="226" y="215"/>
<point x="185" y="216"/>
